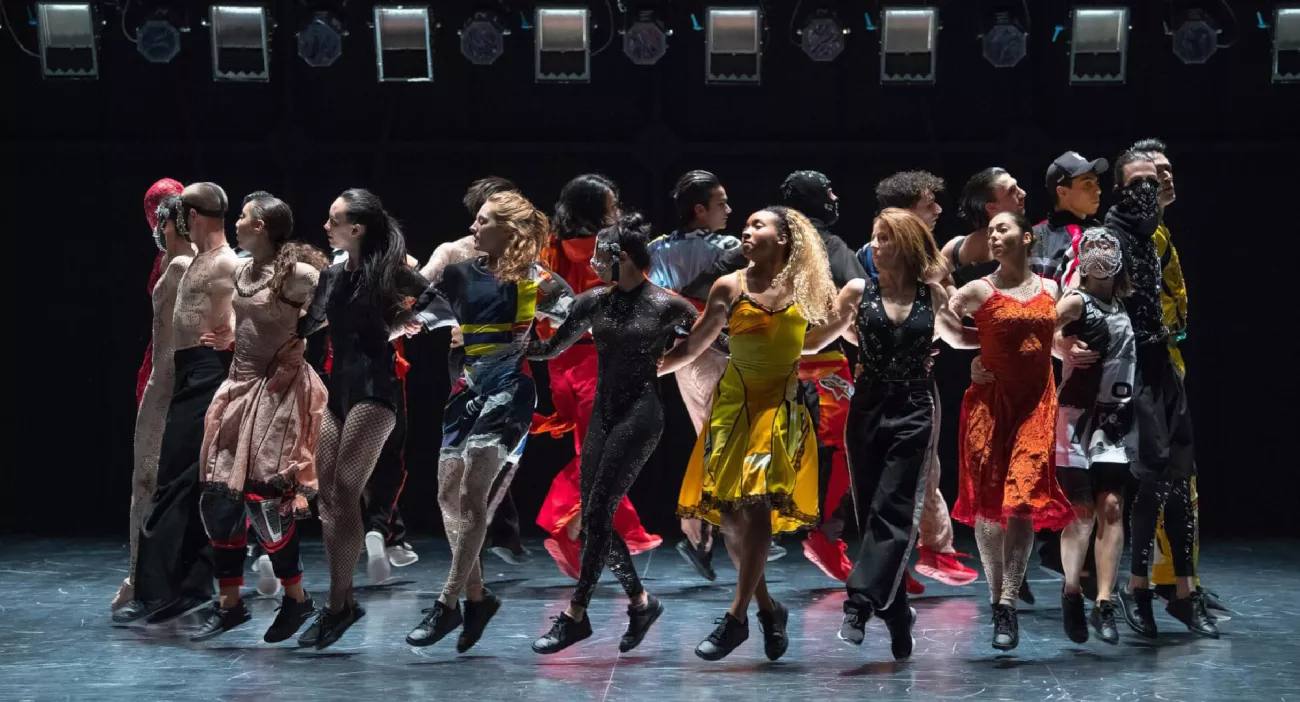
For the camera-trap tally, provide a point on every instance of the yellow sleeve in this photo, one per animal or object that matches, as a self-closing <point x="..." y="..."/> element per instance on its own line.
<point x="1173" y="290"/>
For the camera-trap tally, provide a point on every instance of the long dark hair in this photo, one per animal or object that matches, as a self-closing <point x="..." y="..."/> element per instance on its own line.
<point x="277" y="217"/>
<point x="581" y="211"/>
<point x="980" y="190"/>
<point x="383" y="254"/>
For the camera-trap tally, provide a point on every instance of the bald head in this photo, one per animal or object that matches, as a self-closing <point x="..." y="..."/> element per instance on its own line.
<point x="207" y="199"/>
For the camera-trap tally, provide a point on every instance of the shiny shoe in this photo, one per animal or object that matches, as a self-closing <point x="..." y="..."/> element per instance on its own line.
<point x="900" y="635"/>
<point x="334" y="625"/>
<point x="1072" y="614"/>
<point x="125" y="593"/>
<point x="289" y="618"/>
<point x="401" y="555"/>
<point x="729" y="634"/>
<point x="1006" y="627"/>
<point x="511" y="555"/>
<point x="854" y="627"/>
<point x="639" y="540"/>
<point x="1025" y="594"/>
<point x="134" y="611"/>
<point x="639" y="621"/>
<point x="267" y="584"/>
<point x="1211" y="600"/>
<point x="566" y="552"/>
<point x="439" y="620"/>
<point x="219" y="620"/>
<point x="477" y="616"/>
<point x="564" y="633"/>
<point x="1136" y="606"/>
<point x="772" y="624"/>
<point x="914" y="586"/>
<point x="1191" y="612"/>
<point x="701" y="561"/>
<point x="944" y="567"/>
<point x="377" y="565"/>
<point x="1102" y="618"/>
<point x="828" y="556"/>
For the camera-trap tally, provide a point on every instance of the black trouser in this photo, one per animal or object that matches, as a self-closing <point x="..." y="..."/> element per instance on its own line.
<point x="226" y="516"/>
<point x="888" y="442"/>
<point x="175" y="556"/>
<point x="379" y="500"/>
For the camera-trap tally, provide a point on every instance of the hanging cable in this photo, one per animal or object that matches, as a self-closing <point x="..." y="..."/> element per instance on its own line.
<point x="4" y="17"/>
<point x="125" y="8"/>
<point x="790" y="32"/>
<point x="1236" y="29"/>
<point x="609" y="39"/>
<point x="1028" y="23"/>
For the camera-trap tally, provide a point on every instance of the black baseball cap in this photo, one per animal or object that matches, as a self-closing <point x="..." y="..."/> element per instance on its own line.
<point x="1071" y="165"/>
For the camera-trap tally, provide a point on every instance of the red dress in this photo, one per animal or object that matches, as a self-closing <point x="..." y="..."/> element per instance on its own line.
<point x="1008" y="427"/>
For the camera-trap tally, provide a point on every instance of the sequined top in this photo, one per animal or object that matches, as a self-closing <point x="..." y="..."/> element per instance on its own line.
<point x="894" y="351"/>
<point x="1143" y="265"/>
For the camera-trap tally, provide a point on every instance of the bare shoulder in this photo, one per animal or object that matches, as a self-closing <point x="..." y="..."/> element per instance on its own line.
<point x="225" y="263"/>
<point x="974" y="293"/>
<point x="938" y="295"/>
<point x="1051" y="287"/>
<point x="178" y="265"/>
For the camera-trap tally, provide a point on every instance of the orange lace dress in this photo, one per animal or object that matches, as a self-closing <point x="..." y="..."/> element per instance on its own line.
<point x="1007" y="433"/>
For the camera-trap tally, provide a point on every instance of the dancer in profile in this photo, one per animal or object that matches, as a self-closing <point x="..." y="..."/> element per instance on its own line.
<point x="632" y="321"/>
<point x="754" y="471"/>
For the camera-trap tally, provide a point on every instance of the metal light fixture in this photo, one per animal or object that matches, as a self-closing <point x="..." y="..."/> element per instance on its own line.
<point x="733" y="45"/>
<point x="1099" y="45"/>
<point x="68" y="40"/>
<point x="158" y="38"/>
<point x="403" y="44"/>
<point x="562" y="49"/>
<point x="1196" y="38"/>
<point x="823" y="36"/>
<point x="1004" y="44"/>
<point x="1286" y="44"/>
<point x="483" y="39"/>
<point x="907" y="44"/>
<point x="239" y="43"/>
<point x="320" y="40"/>
<point x="645" y="41"/>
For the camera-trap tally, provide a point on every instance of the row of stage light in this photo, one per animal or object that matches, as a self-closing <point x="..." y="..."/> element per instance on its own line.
<point x="69" y="36"/>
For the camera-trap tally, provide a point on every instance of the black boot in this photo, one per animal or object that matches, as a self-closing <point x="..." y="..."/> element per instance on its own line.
<point x="639" y="620"/>
<point x="1190" y="611"/>
<point x="564" y="633"/>
<point x="1136" y="605"/>
<point x="1102" y="618"/>
<point x="854" y="627"/>
<point x="439" y="620"/>
<point x="729" y="634"/>
<point x="134" y="611"/>
<point x="1076" y="623"/>
<point x="1211" y="600"/>
<point x="333" y="625"/>
<point x="1006" y="627"/>
<point x="772" y="624"/>
<point x="289" y="618"/>
<point x="699" y="559"/>
<point x="900" y="634"/>
<point x="477" y="616"/>
<point x="218" y="620"/>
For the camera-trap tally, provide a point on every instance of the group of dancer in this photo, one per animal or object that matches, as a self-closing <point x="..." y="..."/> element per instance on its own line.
<point x="274" y="382"/>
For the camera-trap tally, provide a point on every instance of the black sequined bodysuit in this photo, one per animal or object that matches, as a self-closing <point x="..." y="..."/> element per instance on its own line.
<point x="632" y="330"/>
<point x="894" y="351"/>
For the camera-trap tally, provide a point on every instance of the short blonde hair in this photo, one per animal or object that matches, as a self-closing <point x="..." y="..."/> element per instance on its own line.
<point x="914" y="241"/>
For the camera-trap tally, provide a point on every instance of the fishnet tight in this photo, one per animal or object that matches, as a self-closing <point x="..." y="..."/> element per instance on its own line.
<point x="345" y="458"/>
<point x="1005" y="554"/>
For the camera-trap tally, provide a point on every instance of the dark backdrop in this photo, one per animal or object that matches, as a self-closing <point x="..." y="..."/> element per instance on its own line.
<point x="78" y="157"/>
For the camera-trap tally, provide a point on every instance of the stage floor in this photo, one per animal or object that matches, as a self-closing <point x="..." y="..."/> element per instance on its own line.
<point x="56" y="641"/>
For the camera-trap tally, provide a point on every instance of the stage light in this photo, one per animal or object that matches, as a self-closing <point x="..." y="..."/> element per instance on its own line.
<point x="1004" y="44"/>
<point x="1099" y="45"/>
<point x="483" y="39"/>
<point x="1286" y="44"/>
<point x="822" y="36"/>
<point x="68" y="40"/>
<point x="562" y="49"/>
<point x="907" y="50"/>
<point x="239" y="43"/>
<point x="646" y="40"/>
<point x="1195" y="39"/>
<point x="320" y="40"/>
<point x="403" y="45"/>
<point x="733" y="45"/>
<point x="158" y="39"/>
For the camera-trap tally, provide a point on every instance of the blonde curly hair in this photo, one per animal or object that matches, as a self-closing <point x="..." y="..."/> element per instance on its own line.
<point x="531" y="229"/>
<point x="806" y="272"/>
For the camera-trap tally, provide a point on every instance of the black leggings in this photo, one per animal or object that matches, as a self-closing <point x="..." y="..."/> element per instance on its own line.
<point x="616" y="448"/>
<point x="1175" y="497"/>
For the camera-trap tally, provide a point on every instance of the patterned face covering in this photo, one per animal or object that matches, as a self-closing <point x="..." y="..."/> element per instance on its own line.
<point x="810" y="193"/>
<point x="598" y="265"/>
<point x="168" y="211"/>
<point x="1099" y="254"/>
<point x="1140" y="199"/>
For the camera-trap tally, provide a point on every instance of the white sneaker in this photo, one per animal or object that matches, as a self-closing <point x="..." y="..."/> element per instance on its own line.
<point x="376" y="560"/>
<point x="402" y="555"/>
<point x="267" y="584"/>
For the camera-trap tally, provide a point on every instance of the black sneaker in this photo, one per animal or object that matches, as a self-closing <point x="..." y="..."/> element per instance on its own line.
<point x="1102" y="618"/>
<point x="1136" y="606"/>
<point x="854" y="627"/>
<point x="477" y="616"/>
<point x="772" y="624"/>
<point x="514" y="554"/>
<point x="289" y="618"/>
<point x="218" y="620"/>
<point x="700" y="560"/>
<point x="439" y="620"/>
<point x="564" y="633"/>
<point x="178" y="608"/>
<point x="1072" y="614"/>
<point x="1190" y="611"/>
<point x="639" y="621"/>
<point x="333" y="625"/>
<point x="134" y="611"/>
<point x="900" y="634"/>
<point x="1025" y="595"/>
<point x="1006" y="627"/>
<point x="729" y="634"/>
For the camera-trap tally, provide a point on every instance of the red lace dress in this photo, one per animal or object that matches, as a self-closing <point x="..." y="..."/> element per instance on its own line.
<point x="1007" y="434"/>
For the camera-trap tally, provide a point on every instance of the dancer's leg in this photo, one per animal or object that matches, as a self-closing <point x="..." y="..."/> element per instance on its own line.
<point x="1151" y="496"/>
<point x="1017" y="545"/>
<point x="748" y="532"/>
<point x="1074" y="545"/>
<point x="482" y="464"/>
<point x="1109" y="542"/>
<point x="1180" y="525"/>
<point x="988" y="539"/>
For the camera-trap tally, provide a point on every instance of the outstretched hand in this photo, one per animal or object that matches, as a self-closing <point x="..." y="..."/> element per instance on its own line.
<point x="980" y="375"/>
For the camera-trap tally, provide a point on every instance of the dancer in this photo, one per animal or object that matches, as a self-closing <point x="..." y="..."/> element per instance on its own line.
<point x="1094" y="430"/>
<point x="987" y="194"/>
<point x="258" y="461"/>
<point x="494" y="299"/>
<point x="162" y="207"/>
<point x="754" y="470"/>
<point x="173" y="570"/>
<point x="364" y="302"/>
<point x="1007" y="487"/>
<point x="1075" y="192"/>
<point x="897" y="316"/>
<point x="1165" y="458"/>
<point x="632" y="322"/>
<point x="688" y="261"/>
<point x="587" y="204"/>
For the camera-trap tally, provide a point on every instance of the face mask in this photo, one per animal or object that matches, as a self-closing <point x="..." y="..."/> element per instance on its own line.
<point x="1140" y="198"/>
<point x="600" y="266"/>
<point x="1099" y="254"/>
<point x="810" y="193"/>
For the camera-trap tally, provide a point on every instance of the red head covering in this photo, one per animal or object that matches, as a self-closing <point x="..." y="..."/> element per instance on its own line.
<point x="155" y="195"/>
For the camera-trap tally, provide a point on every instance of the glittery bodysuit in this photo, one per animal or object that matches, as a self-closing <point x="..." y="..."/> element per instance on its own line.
<point x="632" y="329"/>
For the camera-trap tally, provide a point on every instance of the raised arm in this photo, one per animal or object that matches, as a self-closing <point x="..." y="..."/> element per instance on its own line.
<point x="707" y="327"/>
<point x="577" y="322"/>
<point x="948" y="326"/>
<point x="555" y="299"/>
<point x="845" y="312"/>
